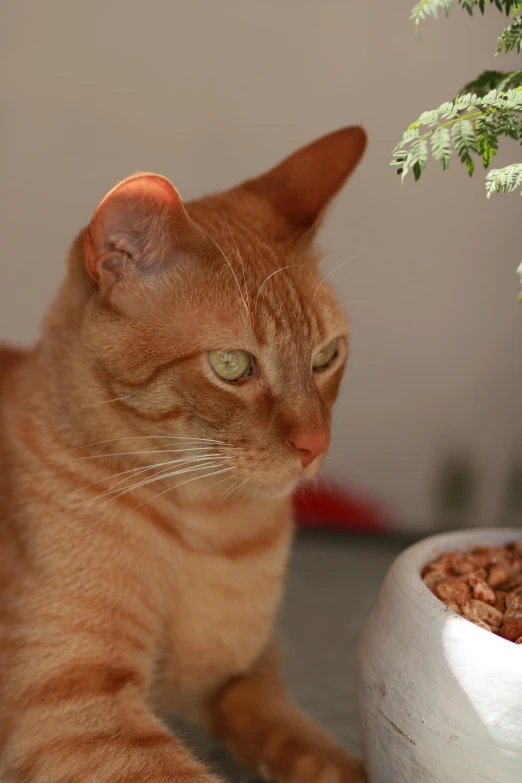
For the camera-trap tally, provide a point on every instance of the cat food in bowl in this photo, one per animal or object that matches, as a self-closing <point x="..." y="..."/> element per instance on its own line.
<point x="484" y="586"/>
<point x="439" y="694"/>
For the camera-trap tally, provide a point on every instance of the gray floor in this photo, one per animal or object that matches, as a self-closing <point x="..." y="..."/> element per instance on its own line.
<point x="333" y="582"/>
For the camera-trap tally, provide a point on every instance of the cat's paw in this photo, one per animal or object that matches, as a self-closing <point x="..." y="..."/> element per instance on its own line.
<point x="295" y="762"/>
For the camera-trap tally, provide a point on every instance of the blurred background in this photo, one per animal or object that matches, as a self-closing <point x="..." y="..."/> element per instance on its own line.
<point x="428" y="425"/>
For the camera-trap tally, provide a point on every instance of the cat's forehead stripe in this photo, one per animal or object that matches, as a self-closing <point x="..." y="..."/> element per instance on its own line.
<point x="284" y="313"/>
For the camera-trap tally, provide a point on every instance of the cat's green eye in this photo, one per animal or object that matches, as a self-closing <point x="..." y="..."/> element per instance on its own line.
<point x="323" y="357"/>
<point x="231" y="365"/>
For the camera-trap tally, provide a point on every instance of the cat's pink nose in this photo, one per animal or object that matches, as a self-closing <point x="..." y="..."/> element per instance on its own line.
<point x="309" y="444"/>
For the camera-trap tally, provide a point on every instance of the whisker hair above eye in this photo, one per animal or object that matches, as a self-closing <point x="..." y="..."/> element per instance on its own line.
<point x="240" y="261"/>
<point x="290" y="266"/>
<point x="333" y="271"/>
<point x="105" y="402"/>
<point x="232" y="270"/>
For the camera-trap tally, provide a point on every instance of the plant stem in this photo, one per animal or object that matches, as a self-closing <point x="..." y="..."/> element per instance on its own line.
<point x="463" y="117"/>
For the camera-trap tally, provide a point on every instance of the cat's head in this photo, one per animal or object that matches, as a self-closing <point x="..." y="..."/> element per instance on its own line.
<point x="210" y="320"/>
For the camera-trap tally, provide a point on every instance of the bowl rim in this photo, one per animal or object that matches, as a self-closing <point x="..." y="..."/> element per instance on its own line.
<point x="411" y="561"/>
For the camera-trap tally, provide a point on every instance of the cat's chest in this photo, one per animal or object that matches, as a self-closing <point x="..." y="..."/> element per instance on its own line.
<point x="220" y="613"/>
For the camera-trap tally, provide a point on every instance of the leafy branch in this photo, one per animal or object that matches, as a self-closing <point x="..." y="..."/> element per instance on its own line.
<point x="471" y="125"/>
<point x="511" y="38"/>
<point x="489" y="107"/>
<point x="508" y="40"/>
<point x="426" y="8"/>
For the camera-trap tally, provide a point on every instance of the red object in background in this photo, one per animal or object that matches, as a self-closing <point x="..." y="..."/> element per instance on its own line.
<point x="335" y="509"/>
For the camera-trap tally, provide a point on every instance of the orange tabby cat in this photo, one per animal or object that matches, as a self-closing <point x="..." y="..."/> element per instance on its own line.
<point x="149" y="445"/>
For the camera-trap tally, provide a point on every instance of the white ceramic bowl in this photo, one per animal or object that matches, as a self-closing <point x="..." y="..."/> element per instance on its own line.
<point x="439" y="699"/>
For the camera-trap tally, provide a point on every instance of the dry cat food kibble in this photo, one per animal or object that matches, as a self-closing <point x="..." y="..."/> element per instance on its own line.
<point x="484" y="586"/>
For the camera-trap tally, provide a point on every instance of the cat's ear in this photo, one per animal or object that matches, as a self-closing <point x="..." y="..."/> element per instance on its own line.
<point x="300" y="188"/>
<point x="133" y="229"/>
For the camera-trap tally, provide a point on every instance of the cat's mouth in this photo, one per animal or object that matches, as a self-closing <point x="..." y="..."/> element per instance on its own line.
<point x="273" y="483"/>
<point x="275" y="490"/>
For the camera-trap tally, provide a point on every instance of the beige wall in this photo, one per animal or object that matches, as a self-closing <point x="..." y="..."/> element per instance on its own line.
<point x="211" y="91"/>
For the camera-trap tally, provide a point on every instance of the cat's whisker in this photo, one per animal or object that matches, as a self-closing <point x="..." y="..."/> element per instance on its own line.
<point x="177" y="486"/>
<point x="148" y="451"/>
<point x="232" y="270"/>
<point x="136" y="472"/>
<point x="290" y="266"/>
<point x="165" y="472"/>
<point x="236" y="489"/>
<point x="225" y="491"/>
<point x="105" y="402"/>
<point x="225" y="495"/>
<point x="187" y="462"/>
<point x="143" y="469"/>
<point x="298" y="491"/>
<point x="321" y="477"/>
<point x="116" y="494"/>
<point x="240" y="261"/>
<point x="157" y="477"/>
<point x="215" y="484"/>
<point x="143" y="437"/>
<point x="167" y="447"/>
<point x="332" y="272"/>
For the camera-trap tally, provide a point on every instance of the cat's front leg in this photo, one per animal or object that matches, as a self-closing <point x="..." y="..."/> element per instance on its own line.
<point x="100" y="739"/>
<point x="254" y="716"/>
<point x="74" y="707"/>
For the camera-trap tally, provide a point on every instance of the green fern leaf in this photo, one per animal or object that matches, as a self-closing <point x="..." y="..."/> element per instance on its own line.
<point x="399" y="160"/>
<point x="506" y="6"/>
<point x="417" y="171"/>
<point x="416" y="158"/>
<point x="441" y="146"/>
<point x="504" y="180"/>
<point x="470" y="5"/>
<point x="487" y="138"/>
<point x="465" y="140"/>
<point x="511" y="38"/>
<point x="426" y="8"/>
<point x="508" y="125"/>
